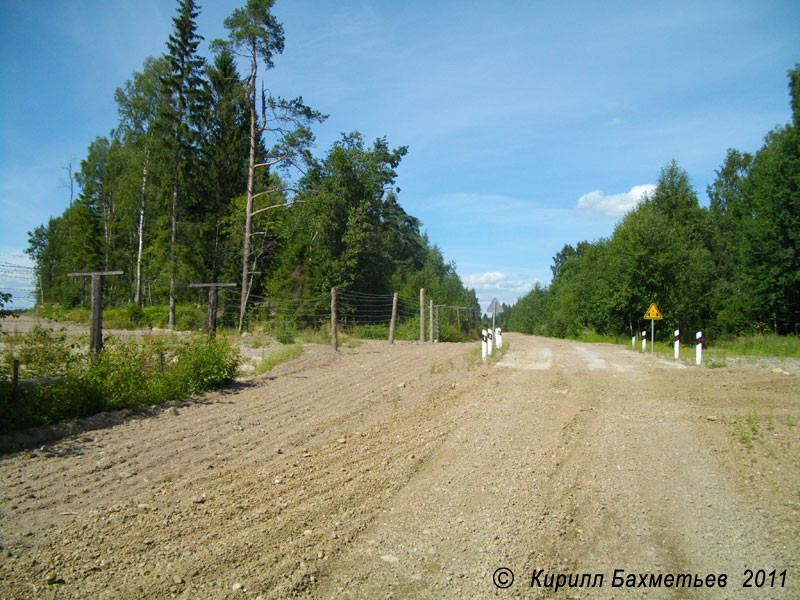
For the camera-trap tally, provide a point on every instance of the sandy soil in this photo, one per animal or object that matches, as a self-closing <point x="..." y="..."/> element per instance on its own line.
<point x="397" y="472"/>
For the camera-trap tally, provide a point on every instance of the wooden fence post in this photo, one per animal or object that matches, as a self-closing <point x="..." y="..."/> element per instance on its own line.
<point x="394" y="318"/>
<point x="430" y="319"/>
<point x="334" y="333"/>
<point x="96" y="327"/>
<point x="422" y="314"/>
<point x="212" y="303"/>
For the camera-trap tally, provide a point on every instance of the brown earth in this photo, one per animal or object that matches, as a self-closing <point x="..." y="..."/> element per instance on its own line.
<point x="401" y="472"/>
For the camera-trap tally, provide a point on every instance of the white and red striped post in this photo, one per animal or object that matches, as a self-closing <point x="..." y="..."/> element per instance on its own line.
<point x="698" y="349"/>
<point x="677" y="344"/>
<point x="644" y="340"/>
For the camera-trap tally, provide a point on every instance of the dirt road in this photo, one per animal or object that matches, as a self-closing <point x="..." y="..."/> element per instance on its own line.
<point x="399" y="472"/>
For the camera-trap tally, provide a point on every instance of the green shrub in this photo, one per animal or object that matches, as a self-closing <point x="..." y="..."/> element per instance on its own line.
<point x="127" y="374"/>
<point x="205" y="364"/>
<point x="284" y="332"/>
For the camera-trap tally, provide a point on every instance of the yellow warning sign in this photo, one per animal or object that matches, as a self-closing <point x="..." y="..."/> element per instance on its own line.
<point x="653" y="313"/>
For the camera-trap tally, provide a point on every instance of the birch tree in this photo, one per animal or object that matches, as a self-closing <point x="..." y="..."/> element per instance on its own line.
<point x="139" y="103"/>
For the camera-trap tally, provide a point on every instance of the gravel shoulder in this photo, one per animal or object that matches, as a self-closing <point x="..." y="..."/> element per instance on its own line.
<point x="401" y="471"/>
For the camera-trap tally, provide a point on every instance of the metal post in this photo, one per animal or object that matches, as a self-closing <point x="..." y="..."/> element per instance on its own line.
<point x="652" y="335"/>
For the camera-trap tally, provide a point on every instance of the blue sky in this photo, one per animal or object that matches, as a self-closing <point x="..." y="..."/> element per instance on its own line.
<point x="530" y="124"/>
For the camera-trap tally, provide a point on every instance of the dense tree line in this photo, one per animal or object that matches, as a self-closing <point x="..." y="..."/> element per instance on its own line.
<point x="732" y="268"/>
<point x="208" y="178"/>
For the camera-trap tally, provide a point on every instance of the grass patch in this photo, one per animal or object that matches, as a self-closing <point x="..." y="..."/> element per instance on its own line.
<point x="768" y="345"/>
<point x="438" y="369"/>
<point x="473" y="357"/>
<point x="282" y="354"/>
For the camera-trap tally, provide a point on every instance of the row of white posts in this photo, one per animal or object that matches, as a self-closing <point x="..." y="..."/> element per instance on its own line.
<point x="698" y="349"/>
<point x="488" y="340"/>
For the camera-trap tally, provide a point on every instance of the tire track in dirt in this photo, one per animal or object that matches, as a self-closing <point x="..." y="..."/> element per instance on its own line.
<point x="575" y="473"/>
<point x="417" y="482"/>
<point x="133" y="533"/>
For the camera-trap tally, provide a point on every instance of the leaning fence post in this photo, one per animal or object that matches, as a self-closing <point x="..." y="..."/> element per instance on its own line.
<point x="334" y="333"/>
<point x="394" y="318"/>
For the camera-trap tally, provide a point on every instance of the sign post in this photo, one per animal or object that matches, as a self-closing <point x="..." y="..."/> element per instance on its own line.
<point x="496" y="309"/>
<point x="653" y="315"/>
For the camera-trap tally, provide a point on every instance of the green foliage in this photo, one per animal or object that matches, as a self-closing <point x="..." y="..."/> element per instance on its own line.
<point x="285" y="332"/>
<point x="282" y="354"/>
<point x="726" y="270"/>
<point x="61" y="383"/>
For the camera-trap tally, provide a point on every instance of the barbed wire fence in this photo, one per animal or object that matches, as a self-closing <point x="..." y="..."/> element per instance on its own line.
<point x="363" y="314"/>
<point x="18" y="275"/>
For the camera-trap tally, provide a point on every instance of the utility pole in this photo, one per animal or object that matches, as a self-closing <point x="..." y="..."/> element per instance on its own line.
<point x="212" y="303"/>
<point x="96" y="327"/>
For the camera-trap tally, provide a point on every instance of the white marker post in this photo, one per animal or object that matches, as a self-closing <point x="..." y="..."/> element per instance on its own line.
<point x="633" y="342"/>
<point x="495" y="308"/>
<point x="698" y="349"/>
<point x="489" y="342"/>
<point x="499" y="335"/>
<point x="483" y="344"/>
<point x="677" y="344"/>
<point x="644" y="340"/>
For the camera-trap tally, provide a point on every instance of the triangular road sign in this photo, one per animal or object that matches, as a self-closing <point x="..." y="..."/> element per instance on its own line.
<point x="653" y="313"/>
<point x="495" y="307"/>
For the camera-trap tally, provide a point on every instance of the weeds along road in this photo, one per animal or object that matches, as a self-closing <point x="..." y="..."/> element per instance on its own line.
<point x="406" y="471"/>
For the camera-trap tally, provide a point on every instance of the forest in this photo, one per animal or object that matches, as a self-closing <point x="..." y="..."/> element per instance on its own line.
<point x="207" y="177"/>
<point x="732" y="268"/>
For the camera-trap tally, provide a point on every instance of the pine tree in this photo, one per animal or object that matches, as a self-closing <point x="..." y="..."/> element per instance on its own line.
<point x="256" y="34"/>
<point x="186" y="93"/>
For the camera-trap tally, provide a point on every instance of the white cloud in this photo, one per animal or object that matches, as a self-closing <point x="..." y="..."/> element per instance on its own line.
<point x="494" y="284"/>
<point x="599" y="205"/>
<point x="491" y="278"/>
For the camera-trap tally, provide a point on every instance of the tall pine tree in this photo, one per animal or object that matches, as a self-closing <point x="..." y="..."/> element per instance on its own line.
<point x="186" y="93"/>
